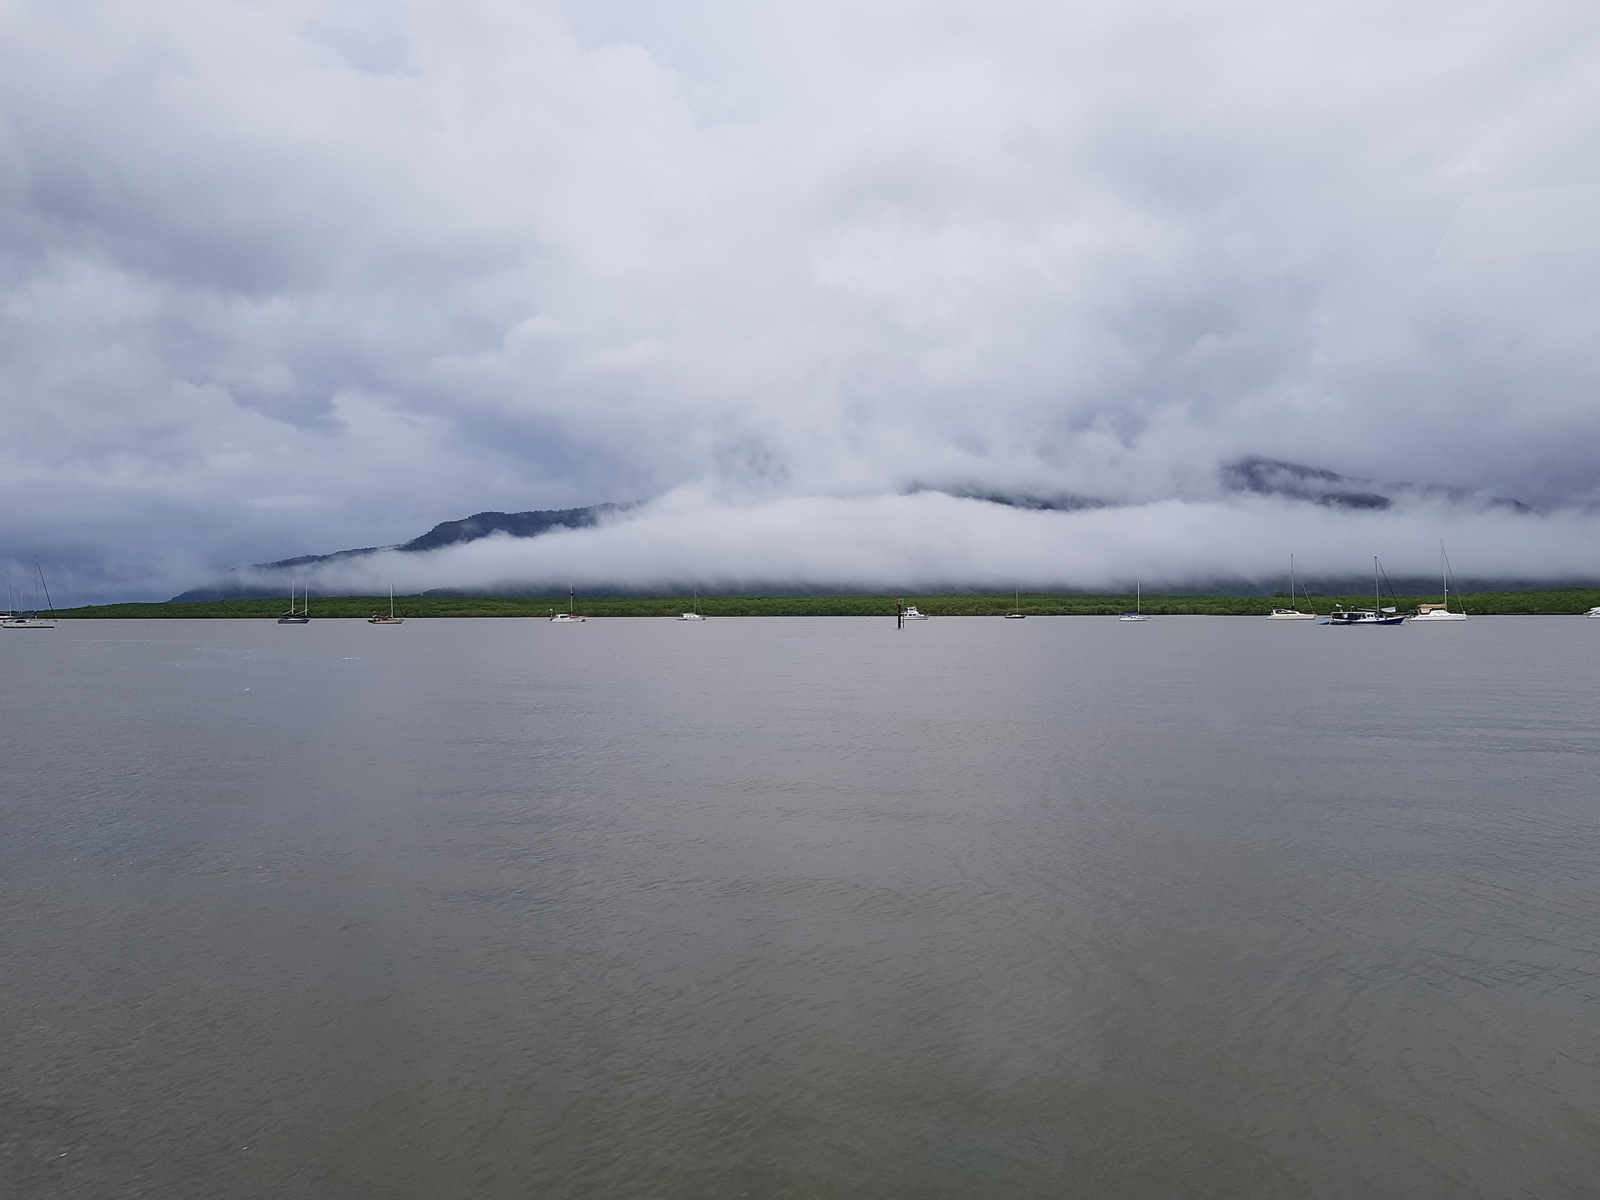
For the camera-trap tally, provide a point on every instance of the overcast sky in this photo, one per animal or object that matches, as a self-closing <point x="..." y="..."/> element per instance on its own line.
<point x="288" y="277"/>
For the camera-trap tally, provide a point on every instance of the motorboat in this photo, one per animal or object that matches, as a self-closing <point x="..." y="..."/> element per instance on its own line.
<point x="1593" y="612"/>
<point x="1439" y="614"/>
<point x="911" y="613"/>
<point x="1291" y="613"/>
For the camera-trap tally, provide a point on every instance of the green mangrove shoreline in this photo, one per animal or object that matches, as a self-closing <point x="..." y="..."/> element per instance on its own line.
<point x="1527" y="603"/>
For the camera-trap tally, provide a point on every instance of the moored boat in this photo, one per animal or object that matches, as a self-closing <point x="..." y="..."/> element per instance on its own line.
<point x="1138" y="605"/>
<point x="1376" y="615"/>
<point x="1439" y="614"/>
<point x="297" y="616"/>
<point x="31" y="619"/>
<point x="25" y="620"/>
<point x="391" y="619"/>
<point x="1292" y="613"/>
<point x="572" y="617"/>
<point x="1364" y="616"/>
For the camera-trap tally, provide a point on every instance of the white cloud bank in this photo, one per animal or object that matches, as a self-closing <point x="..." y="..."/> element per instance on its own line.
<point x="291" y="276"/>
<point x="936" y="542"/>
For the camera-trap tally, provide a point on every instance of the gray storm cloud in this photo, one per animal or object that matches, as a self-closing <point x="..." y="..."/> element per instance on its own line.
<point x="294" y="276"/>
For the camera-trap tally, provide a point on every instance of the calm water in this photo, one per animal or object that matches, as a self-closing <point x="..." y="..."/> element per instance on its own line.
<point x="800" y="908"/>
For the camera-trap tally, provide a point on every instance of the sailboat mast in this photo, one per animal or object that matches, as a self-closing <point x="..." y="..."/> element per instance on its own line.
<point x="49" y="603"/>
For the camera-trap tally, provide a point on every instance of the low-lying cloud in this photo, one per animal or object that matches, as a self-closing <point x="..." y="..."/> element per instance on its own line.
<point x="932" y="542"/>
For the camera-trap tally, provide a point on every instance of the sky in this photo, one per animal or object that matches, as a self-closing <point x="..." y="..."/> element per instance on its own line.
<point x="288" y="277"/>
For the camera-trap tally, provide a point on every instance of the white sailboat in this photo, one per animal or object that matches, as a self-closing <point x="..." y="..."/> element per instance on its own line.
<point x="1016" y="603"/>
<point x="1439" y="614"/>
<point x="294" y="616"/>
<point x="1138" y="605"/>
<point x="694" y="613"/>
<point x="1292" y="613"/>
<point x="30" y="620"/>
<point x="571" y="617"/>
<point x="391" y="619"/>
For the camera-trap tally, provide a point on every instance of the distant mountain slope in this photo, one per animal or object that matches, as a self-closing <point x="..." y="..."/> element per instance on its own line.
<point x="446" y="533"/>
<point x="1272" y="477"/>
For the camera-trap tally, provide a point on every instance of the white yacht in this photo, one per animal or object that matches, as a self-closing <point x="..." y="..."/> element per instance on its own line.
<point x="30" y="620"/>
<point x="1593" y="612"/>
<point x="1439" y="614"/>
<point x="568" y="617"/>
<point x="1138" y="606"/>
<point x="911" y="613"/>
<point x="25" y="620"/>
<point x="694" y="613"/>
<point x="1292" y="613"/>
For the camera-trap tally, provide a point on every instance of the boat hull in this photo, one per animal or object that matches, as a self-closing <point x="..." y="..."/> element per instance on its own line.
<point x="1289" y="614"/>
<point x="1438" y="618"/>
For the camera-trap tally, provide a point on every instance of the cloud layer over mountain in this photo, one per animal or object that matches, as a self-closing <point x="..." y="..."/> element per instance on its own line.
<point x="290" y="276"/>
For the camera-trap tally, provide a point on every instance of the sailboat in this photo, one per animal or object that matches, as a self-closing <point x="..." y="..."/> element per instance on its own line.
<point x="572" y="604"/>
<point x="391" y="619"/>
<point x="31" y="620"/>
<point x="694" y="613"/>
<point x="294" y="617"/>
<point x="1292" y="613"/>
<point x="1138" y="605"/>
<point x="1016" y="603"/>
<point x="1376" y="615"/>
<point x="1439" y="614"/>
